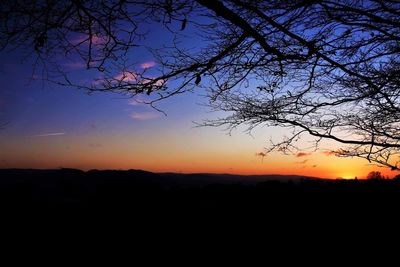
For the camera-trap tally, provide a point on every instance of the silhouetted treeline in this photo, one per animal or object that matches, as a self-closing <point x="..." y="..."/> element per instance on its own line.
<point x="136" y="190"/>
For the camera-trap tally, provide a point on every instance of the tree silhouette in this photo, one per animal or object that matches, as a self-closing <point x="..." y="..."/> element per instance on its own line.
<point x="328" y="69"/>
<point x="375" y="175"/>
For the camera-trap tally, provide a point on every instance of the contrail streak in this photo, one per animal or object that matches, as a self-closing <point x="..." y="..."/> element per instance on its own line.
<point x="48" y="134"/>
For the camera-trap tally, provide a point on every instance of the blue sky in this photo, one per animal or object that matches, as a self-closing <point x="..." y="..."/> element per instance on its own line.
<point x="51" y="126"/>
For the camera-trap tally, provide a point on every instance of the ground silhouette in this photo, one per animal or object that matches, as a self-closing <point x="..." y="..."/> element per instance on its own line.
<point x="142" y="191"/>
<point x="116" y="209"/>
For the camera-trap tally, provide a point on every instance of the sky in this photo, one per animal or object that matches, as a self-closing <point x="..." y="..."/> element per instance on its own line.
<point x="52" y="126"/>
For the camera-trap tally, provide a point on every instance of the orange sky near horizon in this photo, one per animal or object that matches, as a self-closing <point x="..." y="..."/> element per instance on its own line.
<point x="188" y="150"/>
<point x="53" y="127"/>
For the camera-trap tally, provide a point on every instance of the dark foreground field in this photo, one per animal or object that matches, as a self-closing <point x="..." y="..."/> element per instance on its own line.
<point x="155" y="211"/>
<point x="136" y="191"/>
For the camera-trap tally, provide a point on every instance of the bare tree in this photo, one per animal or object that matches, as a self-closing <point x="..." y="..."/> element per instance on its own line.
<point x="375" y="175"/>
<point x="328" y="69"/>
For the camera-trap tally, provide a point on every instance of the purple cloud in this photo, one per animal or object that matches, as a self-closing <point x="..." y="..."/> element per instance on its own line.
<point x="145" y="116"/>
<point x="147" y="64"/>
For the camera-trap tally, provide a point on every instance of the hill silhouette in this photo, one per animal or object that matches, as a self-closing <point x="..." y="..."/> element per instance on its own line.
<point x="68" y="204"/>
<point x="71" y="189"/>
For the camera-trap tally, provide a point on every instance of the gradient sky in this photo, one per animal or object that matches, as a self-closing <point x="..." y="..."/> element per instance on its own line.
<point x="52" y="126"/>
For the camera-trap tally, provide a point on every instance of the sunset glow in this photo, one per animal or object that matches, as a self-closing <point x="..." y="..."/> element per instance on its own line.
<point x="48" y="125"/>
<point x="56" y="127"/>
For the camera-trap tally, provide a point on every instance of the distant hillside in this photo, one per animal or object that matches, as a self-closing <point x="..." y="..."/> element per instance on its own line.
<point x="211" y="178"/>
<point x="145" y="177"/>
<point x="138" y="190"/>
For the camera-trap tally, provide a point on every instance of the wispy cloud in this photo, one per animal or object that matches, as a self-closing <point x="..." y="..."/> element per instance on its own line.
<point x="147" y="64"/>
<point x="134" y="102"/>
<point x="137" y="101"/>
<point x="302" y="162"/>
<point x="126" y="76"/>
<point x="145" y="116"/>
<point x="133" y="77"/>
<point x="302" y="154"/>
<point x="48" y="134"/>
<point x="155" y="82"/>
<point x="334" y="152"/>
<point x="84" y="39"/>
